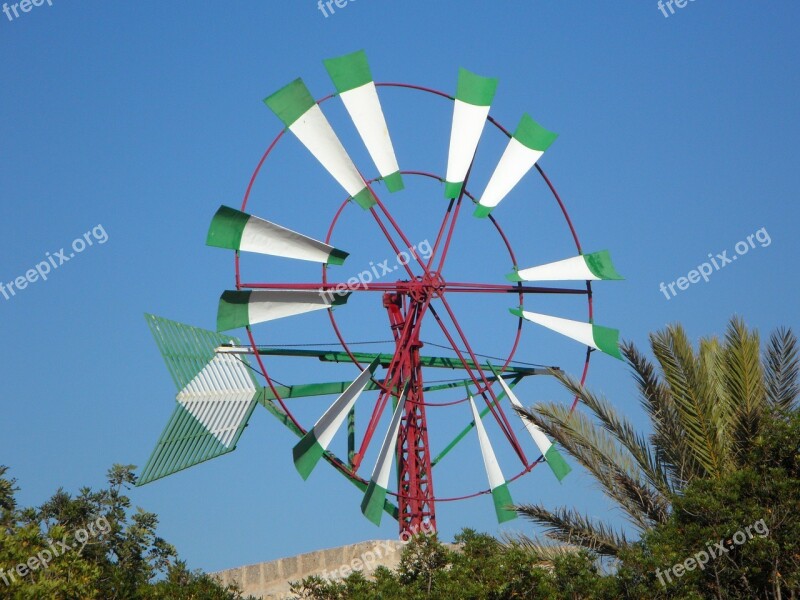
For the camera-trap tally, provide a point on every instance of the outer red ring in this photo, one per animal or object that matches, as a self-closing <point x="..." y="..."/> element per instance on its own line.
<point x="341" y="466"/>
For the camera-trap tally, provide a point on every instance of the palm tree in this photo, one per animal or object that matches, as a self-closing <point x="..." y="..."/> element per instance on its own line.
<point x="705" y="408"/>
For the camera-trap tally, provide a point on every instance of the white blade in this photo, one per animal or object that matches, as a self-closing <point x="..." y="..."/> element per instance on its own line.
<point x="243" y="308"/>
<point x="525" y="147"/>
<point x="470" y="110"/>
<point x="236" y="230"/>
<point x="295" y="106"/>
<point x="353" y="80"/>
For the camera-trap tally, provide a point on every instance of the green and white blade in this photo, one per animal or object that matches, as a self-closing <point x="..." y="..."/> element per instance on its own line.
<point x="526" y="146"/>
<point x="554" y="459"/>
<point x="237" y="230"/>
<point x="312" y="446"/>
<point x="594" y="336"/>
<point x="497" y="483"/>
<point x="243" y="308"/>
<point x="596" y="266"/>
<point x="474" y="97"/>
<point x="353" y="80"/>
<point x="296" y="108"/>
<point x="374" y="497"/>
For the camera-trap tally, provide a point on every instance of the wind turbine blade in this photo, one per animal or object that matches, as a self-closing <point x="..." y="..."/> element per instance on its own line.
<point x="236" y="230"/>
<point x="595" y="266"/>
<point x="296" y="107"/>
<point x="374" y="497"/>
<point x="310" y="449"/>
<point x="243" y="308"/>
<point x="497" y="483"/>
<point x="471" y="108"/>
<point x="353" y="80"/>
<point x="526" y="146"/>
<point x="595" y="336"/>
<point x="554" y="459"/>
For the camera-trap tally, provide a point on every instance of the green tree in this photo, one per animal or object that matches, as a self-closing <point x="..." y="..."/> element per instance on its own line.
<point x="476" y="567"/>
<point x="93" y="545"/>
<point x="744" y="527"/>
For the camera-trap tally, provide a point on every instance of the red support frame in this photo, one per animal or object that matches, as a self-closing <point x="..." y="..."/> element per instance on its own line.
<point x="416" y="500"/>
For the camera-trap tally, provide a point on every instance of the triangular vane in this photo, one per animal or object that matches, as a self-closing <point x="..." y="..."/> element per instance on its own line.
<point x="500" y="494"/>
<point x="353" y="80"/>
<point x="296" y="107"/>
<point x="594" y="336"/>
<point x="243" y="308"/>
<point x="314" y="443"/>
<point x="236" y="230"/>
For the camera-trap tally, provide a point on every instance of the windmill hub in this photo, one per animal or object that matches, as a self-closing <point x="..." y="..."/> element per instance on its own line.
<point x="426" y="287"/>
<point x="422" y="288"/>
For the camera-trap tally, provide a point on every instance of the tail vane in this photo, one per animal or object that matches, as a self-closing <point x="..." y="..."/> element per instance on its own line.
<point x="216" y="397"/>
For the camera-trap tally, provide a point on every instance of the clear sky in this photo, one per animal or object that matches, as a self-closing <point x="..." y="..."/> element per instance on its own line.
<point x="135" y="121"/>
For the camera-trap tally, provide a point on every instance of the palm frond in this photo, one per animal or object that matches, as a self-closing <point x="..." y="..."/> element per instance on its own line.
<point x="743" y="378"/>
<point x="545" y="553"/>
<point x="667" y="438"/>
<point x="781" y="369"/>
<point x="570" y="527"/>
<point x="652" y="503"/>
<point x="722" y="405"/>
<point x="578" y="436"/>
<point x="599" y="454"/>
<point x="622" y="430"/>
<point x="679" y="366"/>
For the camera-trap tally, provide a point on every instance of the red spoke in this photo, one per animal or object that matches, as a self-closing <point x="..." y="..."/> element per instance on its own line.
<point x="406" y="334"/>
<point x="501" y="420"/>
<point x="441" y="232"/>
<point x="327" y="287"/>
<point x="488" y="385"/>
<point x="455" y="216"/>
<point x="406" y="241"/>
<point x="451" y="230"/>
<point x="491" y="288"/>
<point x="400" y="286"/>
<point x="389" y="236"/>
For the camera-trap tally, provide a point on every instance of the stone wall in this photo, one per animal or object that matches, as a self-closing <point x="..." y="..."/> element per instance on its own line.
<point x="270" y="580"/>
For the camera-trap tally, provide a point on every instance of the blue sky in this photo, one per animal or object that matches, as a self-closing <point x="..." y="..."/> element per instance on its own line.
<point x="677" y="139"/>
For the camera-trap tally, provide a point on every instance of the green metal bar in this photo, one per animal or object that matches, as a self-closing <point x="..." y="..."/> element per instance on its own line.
<point x="442" y="362"/>
<point x="337" y="387"/>
<point x="351" y="437"/>
<point x="471" y="426"/>
<point x="450" y="385"/>
<point x="263" y="399"/>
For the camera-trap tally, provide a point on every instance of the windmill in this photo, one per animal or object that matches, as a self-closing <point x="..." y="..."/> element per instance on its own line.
<point x="391" y="391"/>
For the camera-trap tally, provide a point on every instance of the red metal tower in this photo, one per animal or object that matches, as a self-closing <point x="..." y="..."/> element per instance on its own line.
<point x="415" y="481"/>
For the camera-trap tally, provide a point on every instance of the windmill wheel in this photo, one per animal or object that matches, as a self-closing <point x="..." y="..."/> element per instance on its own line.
<point x="429" y="298"/>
